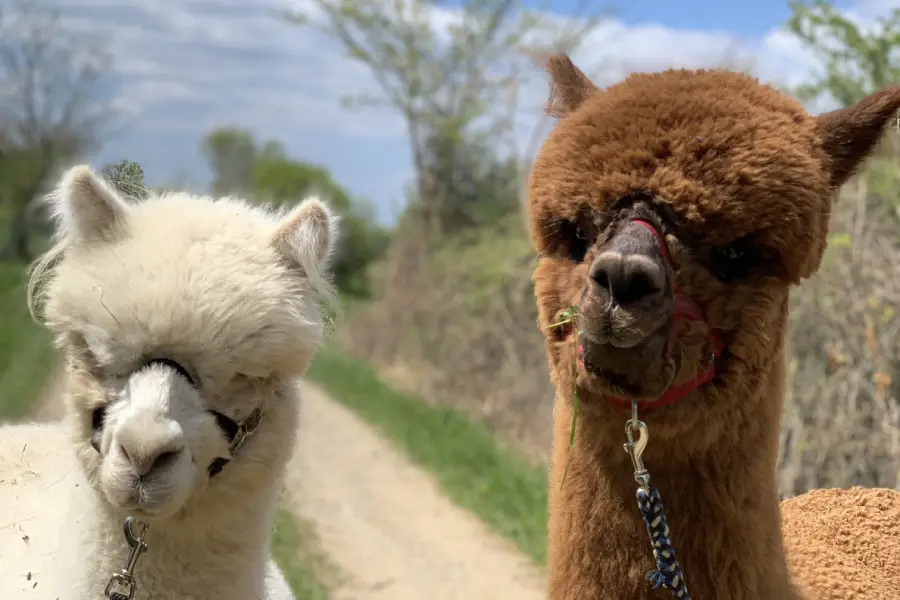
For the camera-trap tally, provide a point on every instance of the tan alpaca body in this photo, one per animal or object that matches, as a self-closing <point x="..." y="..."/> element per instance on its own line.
<point x="737" y="180"/>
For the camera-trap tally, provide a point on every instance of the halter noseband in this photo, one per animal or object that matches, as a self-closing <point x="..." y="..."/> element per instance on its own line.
<point x="235" y="432"/>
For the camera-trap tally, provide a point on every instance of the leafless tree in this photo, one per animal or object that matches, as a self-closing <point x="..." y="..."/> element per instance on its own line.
<point x="53" y="106"/>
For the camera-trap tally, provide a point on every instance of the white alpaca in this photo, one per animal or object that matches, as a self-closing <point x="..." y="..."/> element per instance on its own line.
<point x="185" y="322"/>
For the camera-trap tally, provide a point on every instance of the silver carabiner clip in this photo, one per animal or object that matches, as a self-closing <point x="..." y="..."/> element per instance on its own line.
<point x="636" y="445"/>
<point x="124" y="579"/>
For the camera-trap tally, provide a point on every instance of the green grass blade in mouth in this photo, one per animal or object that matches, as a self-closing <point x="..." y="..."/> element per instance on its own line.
<point x="568" y="317"/>
<point x="574" y="420"/>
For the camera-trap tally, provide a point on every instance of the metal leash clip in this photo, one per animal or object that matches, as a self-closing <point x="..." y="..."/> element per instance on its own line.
<point x="635" y="447"/>
<point x="122" y="585"/>
<point x="667" y="573"/>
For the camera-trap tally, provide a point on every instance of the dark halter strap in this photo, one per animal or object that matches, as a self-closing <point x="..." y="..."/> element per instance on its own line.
<point x="174" y="365"/>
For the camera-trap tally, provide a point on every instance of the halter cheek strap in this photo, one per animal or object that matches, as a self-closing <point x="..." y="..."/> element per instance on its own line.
<point x="236" y="433"/>
<point x="684" y="308"/>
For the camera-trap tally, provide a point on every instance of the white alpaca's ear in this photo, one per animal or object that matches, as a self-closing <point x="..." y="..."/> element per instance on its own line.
<point x="87" y="208"/>
<point x="308" y="235"/>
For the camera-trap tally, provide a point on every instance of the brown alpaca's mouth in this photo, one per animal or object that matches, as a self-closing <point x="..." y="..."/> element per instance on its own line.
<point x="639" y="372"/>
<point x="663" y="367"/>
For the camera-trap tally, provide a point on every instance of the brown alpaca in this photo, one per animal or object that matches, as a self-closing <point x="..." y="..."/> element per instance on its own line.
<point x="674" y="211"/>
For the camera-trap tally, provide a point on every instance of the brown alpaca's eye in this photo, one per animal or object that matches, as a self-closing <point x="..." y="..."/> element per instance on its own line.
<point x="576" y="241"/>
<point x="732" y="262"/>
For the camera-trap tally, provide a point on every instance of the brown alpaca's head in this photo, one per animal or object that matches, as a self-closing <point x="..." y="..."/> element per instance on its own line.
<point x="673" y="211"/>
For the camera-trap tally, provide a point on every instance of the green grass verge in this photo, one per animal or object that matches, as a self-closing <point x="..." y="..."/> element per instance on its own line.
<point x="295" y="550"/>
<point x="477" y="471"/>
<point x="27" y="358"/>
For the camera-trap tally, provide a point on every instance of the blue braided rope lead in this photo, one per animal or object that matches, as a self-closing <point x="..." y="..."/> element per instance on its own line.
<point x="667" y="573"/>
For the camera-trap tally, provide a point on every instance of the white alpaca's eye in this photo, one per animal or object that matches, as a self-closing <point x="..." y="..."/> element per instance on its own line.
<point x="98" y="417"/>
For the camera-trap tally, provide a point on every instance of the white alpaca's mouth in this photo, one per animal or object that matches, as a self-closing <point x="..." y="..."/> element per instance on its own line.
<point x="159" y="495"/>
<point x="144" y="503"/>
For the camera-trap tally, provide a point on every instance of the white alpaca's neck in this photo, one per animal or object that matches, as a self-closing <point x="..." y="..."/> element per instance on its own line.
<point x="221" y="555"/>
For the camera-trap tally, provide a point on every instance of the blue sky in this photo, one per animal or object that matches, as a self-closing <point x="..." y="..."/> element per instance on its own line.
<point x="185" y="66"/>
<point x="748" y="18"/>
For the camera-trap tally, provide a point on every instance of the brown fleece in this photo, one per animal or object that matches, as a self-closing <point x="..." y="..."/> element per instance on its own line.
<point x="844" y="544"/>
<point x="718" y="157"/>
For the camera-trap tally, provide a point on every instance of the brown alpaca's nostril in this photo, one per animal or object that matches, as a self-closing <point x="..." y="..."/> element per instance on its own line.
<point x="628" y="278"/>
<point x="631" y="266"/>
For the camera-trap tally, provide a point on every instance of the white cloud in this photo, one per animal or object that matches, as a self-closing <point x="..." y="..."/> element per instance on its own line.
<point x="238" y="59"/>
<point x="187" y="66"/>
<point x="872" y="9"/>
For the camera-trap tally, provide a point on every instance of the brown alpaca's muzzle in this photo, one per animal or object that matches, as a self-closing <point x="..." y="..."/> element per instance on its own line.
<point x="641" y="338"/>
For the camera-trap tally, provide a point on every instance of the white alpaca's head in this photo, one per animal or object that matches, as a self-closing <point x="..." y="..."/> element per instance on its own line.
<point x="181" y="317"/>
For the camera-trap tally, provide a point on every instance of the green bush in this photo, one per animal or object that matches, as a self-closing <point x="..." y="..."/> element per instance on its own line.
<point x="27" y="359"/>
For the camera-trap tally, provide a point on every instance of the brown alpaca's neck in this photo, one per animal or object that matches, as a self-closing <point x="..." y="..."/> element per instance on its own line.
<point x="721" y="505"/>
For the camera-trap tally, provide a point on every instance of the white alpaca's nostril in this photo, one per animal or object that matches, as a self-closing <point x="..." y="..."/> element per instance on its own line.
<point x="146" y="461"/>
<point x="163" y="460"/>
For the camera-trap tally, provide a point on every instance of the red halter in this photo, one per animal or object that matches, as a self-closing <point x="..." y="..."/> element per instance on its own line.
<point x="683" y="308"/>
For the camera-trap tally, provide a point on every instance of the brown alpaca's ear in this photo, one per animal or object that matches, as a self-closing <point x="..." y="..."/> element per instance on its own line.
<point x="849" y="134"/>
<point x="568" y="85"/>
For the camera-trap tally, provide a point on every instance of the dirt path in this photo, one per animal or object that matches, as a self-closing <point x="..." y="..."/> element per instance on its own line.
<point x="381" y="520"/>
<point x="387" y="524"/>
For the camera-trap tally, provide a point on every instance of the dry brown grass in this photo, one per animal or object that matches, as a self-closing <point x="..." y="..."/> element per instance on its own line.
<point x="842" y="417"/>
<point x="459" y="326"/>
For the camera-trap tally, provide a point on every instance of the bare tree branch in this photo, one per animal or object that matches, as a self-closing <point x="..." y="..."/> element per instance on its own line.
<point x="53" y="106"/>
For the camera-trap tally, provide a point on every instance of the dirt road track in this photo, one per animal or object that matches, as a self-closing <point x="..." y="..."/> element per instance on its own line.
<point x="388" y="525"/>
<point x="384" y="522"/>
